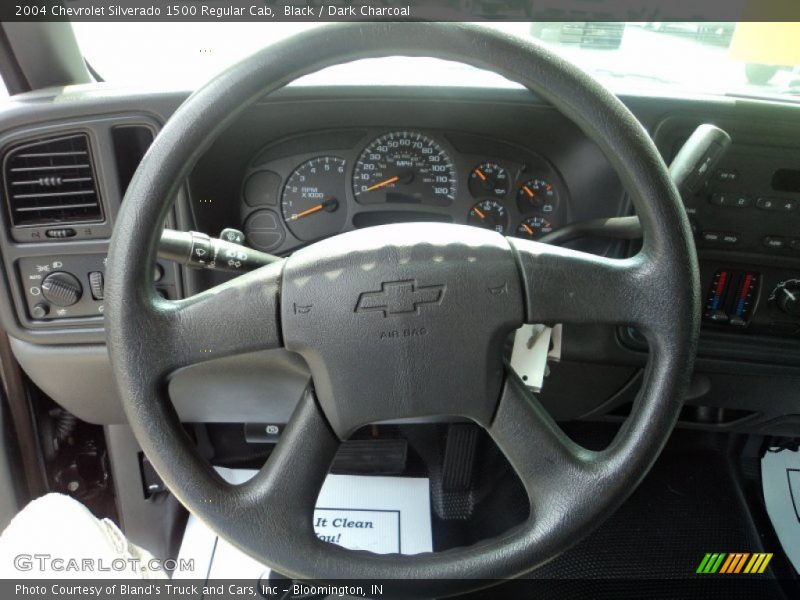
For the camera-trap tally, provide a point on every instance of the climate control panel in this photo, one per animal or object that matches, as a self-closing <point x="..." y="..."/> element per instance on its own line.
<point x="785" y="298"/>
<point x="765" y="300"/>
<point x="732" y="297"/>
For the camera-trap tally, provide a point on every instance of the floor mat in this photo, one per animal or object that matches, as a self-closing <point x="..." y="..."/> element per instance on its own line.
<point x="689" y="505"/>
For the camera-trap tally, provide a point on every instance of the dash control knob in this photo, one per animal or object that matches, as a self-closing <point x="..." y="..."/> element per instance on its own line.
<point x="97" y="284"/>
<point x="787" y="297"/>
<point x="40" y="310"/>
<point x="62" y="289"/>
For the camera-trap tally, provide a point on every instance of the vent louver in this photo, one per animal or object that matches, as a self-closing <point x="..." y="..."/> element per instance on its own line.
<point x="52" y="181"/>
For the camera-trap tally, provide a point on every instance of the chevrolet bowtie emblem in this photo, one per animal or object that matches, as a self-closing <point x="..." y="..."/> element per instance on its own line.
<point x="399" y="297"/>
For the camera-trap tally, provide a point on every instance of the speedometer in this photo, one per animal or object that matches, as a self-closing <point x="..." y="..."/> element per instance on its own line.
<point x="404" y="167"/>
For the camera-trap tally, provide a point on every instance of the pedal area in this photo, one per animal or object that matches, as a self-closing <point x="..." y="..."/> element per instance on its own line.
<point x="379" y="514"/>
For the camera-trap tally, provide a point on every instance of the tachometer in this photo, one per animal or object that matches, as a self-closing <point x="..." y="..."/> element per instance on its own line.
<point x="312" y="201"/>
<point x="404" y="167"/>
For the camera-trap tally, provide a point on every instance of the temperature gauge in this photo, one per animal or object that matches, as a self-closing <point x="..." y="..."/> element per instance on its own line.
<point x="488" y="179"/>
<point x="537" y="194"/>
<point x="534" y="227"/>
<point x="489" y="214"/>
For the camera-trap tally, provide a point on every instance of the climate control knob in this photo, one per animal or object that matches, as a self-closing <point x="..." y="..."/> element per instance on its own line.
<point x="62" y="289"/>
<point x="787" y="297"/>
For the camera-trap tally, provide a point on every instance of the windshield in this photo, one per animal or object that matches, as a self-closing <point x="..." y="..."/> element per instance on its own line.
<point x="756" y="59"/>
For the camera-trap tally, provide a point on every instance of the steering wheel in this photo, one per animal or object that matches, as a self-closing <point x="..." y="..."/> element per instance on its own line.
<point x="404" y="321"/>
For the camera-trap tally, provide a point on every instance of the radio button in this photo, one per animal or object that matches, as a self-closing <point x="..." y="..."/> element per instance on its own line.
<point x="731" y="200"/>
<point x="777" y="204"/>
<point x="774" y="242"/>
<point x="730" y="238"/>
<point x="720" y="237"/>
<point x="728" y="175"/>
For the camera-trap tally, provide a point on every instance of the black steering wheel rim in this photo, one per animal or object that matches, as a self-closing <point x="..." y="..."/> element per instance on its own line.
<point x="571" y="489"/>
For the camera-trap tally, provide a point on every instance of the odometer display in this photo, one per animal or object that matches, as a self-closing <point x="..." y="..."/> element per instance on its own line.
<point x="404" y="167"/>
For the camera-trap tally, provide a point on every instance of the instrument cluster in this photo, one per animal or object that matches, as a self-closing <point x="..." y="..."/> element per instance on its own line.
<point x="399" y="176"/>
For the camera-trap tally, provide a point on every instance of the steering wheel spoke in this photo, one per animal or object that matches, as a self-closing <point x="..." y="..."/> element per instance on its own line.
<point x="568" y="286"/>
<point x="235" y="317"/>
<point x="278" y="502"/>
<point x="546" y="460"/>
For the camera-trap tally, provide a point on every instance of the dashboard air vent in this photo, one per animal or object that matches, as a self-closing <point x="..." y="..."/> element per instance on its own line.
<point x="52" y="181"/>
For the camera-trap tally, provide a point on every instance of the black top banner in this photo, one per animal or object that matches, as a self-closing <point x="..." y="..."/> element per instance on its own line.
<point x="394" y="10"/>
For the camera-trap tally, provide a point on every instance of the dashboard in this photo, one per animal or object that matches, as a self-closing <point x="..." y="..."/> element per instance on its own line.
<point x="379" y="176"/>
<point x="309" y="163"/>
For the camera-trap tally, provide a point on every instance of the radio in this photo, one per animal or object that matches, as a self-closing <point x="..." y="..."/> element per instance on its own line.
<point x="748" y="206"/>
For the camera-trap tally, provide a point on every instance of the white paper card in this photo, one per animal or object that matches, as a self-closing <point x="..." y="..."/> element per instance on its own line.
<point x="529" y="354"/>
<point x="780" y="478"/>
<point x="379" y="514"/>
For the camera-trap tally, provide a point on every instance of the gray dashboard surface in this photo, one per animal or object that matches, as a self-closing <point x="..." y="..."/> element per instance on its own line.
<point x="262" y="387"/>
<point x="70" y="363"/>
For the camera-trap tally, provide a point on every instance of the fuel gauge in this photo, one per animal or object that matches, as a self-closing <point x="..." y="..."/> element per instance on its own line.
<point x="489" y="214"/>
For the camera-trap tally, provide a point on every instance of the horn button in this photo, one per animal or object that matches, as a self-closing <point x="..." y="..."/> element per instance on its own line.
<point x="403" y="321"/>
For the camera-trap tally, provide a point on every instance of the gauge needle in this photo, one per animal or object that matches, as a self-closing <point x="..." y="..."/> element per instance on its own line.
<point x="528" y="191"/>
<point x="480" y="174"/>
<point x="329" y="205"/>
<point x="479" y="213"/>
<point x="383" y="183"/>
<point x="528" y="229"/>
